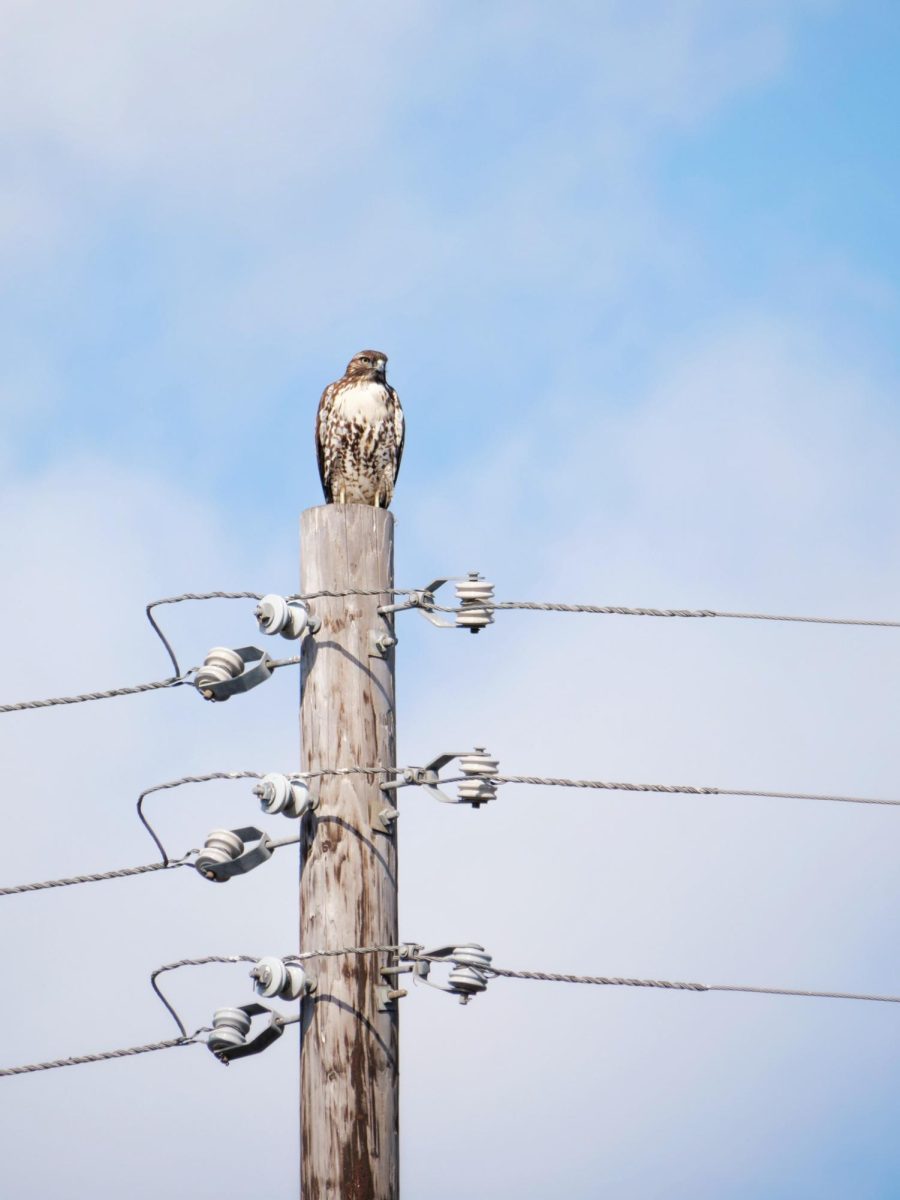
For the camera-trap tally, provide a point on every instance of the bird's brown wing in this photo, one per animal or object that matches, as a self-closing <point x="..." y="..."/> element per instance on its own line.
<point x="399" y="427"/>
<point x="323" y="439"/>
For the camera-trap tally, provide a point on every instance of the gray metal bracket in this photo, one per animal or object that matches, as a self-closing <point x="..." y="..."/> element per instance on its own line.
<point x="428" y="778"/>
<point x="424" y="602"/>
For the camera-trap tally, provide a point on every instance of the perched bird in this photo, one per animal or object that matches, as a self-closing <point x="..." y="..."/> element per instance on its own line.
<point x="359" y="434"/>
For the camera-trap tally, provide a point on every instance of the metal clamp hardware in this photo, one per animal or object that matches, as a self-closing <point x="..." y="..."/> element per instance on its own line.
<point x="288" y="794"/>
<point x="290" y="618"/>
<point x="230" y="1026"/>
<point x="223" y="672"/>
<point x="423" y="600"/>
<point x="224" y="854"/>
<point x="275" y="977"/>
<point x="473" y="593"/>
<point x="476" y="788"/>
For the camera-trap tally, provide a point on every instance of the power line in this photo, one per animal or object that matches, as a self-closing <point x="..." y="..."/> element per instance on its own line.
<point x="410" y="952"/>
<point x="525" y="780"/>
<point x="99" y="877"/>
<point x="176" y="681"/>
<point x="175" y="783"/>
<point x="618" y="610"/>
<point x="253" y="958"/>
<point x="189" y="596"/>
<point x="126" y="1052"/>
<point x="677" y="985"/>
<point x="239" y="596"/>
<point x="678" y="789"/>
<point x="192" y="962"/>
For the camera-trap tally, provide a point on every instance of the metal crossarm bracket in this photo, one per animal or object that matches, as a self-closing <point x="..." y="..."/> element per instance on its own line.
<point x="474" y="595"/>
<point x="423" y="600"/>
<point x="225" y="674"/>
<point x="476" y="787"/>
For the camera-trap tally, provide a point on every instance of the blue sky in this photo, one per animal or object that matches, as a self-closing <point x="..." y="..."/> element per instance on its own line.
<point x="636" y="271"/>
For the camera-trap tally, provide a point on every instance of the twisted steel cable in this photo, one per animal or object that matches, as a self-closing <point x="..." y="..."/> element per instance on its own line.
<point x="175" y="681"/>
<point x="126" y="1052"/>
<point x="97" y="877"/>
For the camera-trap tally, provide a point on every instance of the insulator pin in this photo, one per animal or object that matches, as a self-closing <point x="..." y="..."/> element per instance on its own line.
<point x="284" y="794"/>
<point x="221" y="846"/>
<point x="274" y="977"/>
<point x="479" y="768"/>
<point x="469" y="975"/>
<point x="290" y="618"/>
<point x="230" y="1028"/>
<point x="220" y="664"/>
<point x="475" y="596"/>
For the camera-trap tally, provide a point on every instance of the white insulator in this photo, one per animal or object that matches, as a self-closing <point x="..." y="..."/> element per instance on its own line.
<point x="274" y="614"/>
<point x="302" y="800"/>
<point x="273" y="977"/>
<point x="220" y="664"/>
<point x="473" y="595"/>
<point x="283" y="794"/>
<point x="468" y="975"/>
<point x="479" y="768"/>
<point x="220" y="847"/>
<point x="230" y="1028"/>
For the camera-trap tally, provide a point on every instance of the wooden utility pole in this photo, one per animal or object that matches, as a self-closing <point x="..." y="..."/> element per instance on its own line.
<point x="348" y="886"/>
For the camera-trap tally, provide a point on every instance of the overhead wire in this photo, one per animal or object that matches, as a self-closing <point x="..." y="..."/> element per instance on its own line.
<point x="175" y="681"/>
<point x="622" y="611"/>
<point x="303" y="956"/>
<point x="125" y="1052"/>
<point x="681" y="789"/>
<point x="99" y="876"/>
<point x="679" y="985"/>
<point x="408" y="951"/>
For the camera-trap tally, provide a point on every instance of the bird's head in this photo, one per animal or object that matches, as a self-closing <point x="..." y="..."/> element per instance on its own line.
<point x="368" y="364"/>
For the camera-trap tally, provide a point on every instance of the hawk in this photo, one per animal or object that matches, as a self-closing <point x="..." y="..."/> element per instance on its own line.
<point x="359" y="434"/>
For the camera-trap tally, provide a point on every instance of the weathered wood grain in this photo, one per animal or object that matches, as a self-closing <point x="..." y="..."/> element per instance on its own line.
<point x="348" y="890"/>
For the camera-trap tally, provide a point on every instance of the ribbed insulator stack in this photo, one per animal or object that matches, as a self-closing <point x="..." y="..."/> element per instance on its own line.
<point x="469" y="975"/>
<point x="221" y="846"/>
<point x="478" y="786"/>
<point x="220" y="664"/>
<point x="475" y="596"/>
<point x="230" y="1027"/>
